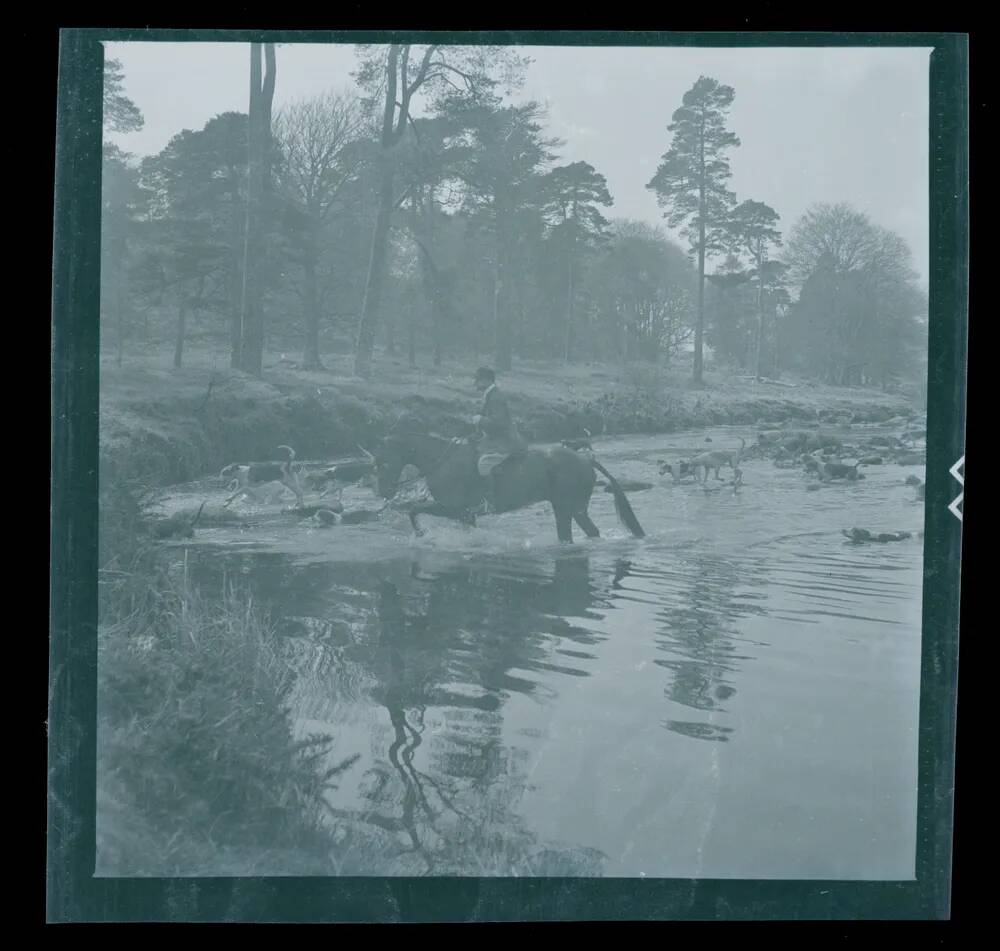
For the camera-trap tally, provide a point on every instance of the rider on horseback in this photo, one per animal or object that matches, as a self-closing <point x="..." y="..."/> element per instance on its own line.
<point x="500" y="436"/>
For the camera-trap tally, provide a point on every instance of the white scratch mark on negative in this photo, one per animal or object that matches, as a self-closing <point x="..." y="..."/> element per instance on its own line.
<point x="959" y="477"/>
<point x="715" y="771"/>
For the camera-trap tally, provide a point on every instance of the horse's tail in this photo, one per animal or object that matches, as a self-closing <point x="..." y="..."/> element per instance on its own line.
<point x="622" y="507"/>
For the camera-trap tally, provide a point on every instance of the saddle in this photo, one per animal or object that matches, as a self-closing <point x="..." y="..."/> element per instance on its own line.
<point x="509" y="459"/>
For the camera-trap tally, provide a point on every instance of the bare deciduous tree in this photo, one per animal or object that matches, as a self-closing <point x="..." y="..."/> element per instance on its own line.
<point x="392" y="77"/>
<point x="320" y="151"/>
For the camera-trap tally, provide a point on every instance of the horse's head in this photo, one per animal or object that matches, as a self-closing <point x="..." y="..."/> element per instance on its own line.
<point x="391" y="455"/>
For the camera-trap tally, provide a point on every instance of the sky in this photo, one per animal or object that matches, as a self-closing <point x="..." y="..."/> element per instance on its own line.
<point x="816" y="125"/>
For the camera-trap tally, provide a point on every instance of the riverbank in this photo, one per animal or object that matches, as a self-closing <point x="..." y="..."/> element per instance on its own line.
<point x="194" y="694"/>
<point x="428" y="658"/>
<point x="161" y="426"/>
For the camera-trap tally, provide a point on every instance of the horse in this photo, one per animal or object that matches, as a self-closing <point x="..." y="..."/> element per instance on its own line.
<point x="560" y="476"/>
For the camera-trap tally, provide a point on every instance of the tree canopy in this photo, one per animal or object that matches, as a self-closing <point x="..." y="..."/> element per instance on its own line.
<point x="425" y="205"/>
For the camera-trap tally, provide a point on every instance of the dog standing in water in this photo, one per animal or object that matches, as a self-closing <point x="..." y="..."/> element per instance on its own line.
<point x="716" y="460"/>
<point x="680" y="470"/>
<point x="257" y="474"/>
<point x="337" y="477"/>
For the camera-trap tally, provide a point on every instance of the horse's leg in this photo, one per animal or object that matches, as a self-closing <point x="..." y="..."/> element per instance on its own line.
<point x="590" y="529"/>
<point x="434" y="508"/>
<point x="564" y="524"/>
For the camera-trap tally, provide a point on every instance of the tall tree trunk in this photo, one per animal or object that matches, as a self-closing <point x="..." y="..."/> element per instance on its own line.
<point x="248" y="294"/>
<point x="760" y="321"/>
<point x="145" y="310"/>
<point x="496" y="306"/>
<point x="237" y="269"/>
<point x="569" y="310"/>
<point x="119" y="310"/>
<point x="501" y="313"/>
<point x="261" y="100"/>
<point x="182" y="309"/>
<point x="775" y="344"/>
<point x="370" y="307"/>
<point x="310" y="300"/>
<point x="435" y="295"/>
<point x="522" y="336"/>
<point x="368" y="323"/>
<point x="623" y="335"/>
<point x="119" y="307"/>
<point x="422" y="225"/>
<point x="699" y="329"/>
<point x="440" y="304"/>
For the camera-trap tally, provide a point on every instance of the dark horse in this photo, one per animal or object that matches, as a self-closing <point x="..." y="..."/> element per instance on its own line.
<point x="560" y="476"/>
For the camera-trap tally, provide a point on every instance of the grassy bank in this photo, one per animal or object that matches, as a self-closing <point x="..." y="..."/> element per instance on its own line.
<point x="161" y="426"/>
<point x="198" y="769"/>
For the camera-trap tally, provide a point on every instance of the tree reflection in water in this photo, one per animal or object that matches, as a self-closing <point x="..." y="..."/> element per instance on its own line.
<point x="414" y="662"/>
<point x="440" y="650"/>
<point x="698" y="633"/>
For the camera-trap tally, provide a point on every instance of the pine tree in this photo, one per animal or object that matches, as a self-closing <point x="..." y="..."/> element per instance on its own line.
<point x="690" y="181"/>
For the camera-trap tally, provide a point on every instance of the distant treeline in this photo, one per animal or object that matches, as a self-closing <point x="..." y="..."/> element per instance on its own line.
<point x="344" y="220"/>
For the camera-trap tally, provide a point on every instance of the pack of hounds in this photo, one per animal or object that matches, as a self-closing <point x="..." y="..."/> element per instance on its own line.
<point x="818" y="463"/>
<point x="259" y="480"/>
<point x="824" y="463"/>
<point x="699" y="466"/>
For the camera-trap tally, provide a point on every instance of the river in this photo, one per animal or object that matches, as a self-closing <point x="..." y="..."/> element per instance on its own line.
<point x="733" y="696"/>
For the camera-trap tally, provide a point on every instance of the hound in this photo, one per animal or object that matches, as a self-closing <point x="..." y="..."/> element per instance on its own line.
<point x="679" y="470"/>
<point x="839" y="470"/>
<point x="342" y="474"/>
<point x="717" y="459"/>
<point x="735" y="485"/>
<point x="918" y="485"/>
<point x="253" y="476"/>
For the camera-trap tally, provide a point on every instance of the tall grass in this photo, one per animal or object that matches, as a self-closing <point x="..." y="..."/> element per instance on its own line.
<point x="199" y="772"/>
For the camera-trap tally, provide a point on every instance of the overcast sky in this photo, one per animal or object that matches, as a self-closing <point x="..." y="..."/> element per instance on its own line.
<point x="816" y="125"/>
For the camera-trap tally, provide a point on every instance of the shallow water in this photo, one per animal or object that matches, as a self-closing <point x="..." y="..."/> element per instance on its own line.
<point x="733" y="696"/>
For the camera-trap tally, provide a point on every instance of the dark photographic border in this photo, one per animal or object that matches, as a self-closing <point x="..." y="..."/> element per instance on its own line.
<point x="74" y="895"/>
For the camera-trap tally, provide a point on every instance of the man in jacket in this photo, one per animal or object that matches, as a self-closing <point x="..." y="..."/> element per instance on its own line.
<point x="500" y="436"/>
